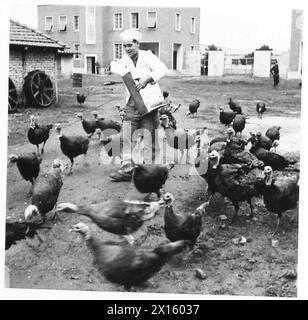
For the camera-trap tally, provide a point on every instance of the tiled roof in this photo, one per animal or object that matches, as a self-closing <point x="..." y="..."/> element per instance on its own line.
<point x="20" y="34"/>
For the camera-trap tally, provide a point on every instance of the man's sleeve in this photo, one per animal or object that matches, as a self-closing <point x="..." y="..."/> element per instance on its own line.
<point x="157" y="68"/>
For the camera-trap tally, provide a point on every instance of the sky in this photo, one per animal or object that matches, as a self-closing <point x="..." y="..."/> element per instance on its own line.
<point x="237" y="24"/>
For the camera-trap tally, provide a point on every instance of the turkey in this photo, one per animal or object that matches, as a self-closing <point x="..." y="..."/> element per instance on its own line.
<point x="235" y="152"/>
<point x="269" y="158"/>
<point x="234" y="106"/>
<point x="150" y="178"/>
<point x="95" y="115"/>
<point x="46" y="191"/>
<point x="223" y="138"/>
<point x="38" y="134"/>
<point x="180" y="226"/>
<point x="112" y="145"/>
<point x="121" y="217"/>
<point x="234" y="181"/>
<point x="226" y="117"/>
<point x="108" y="127"/>
<point x="263" y="141"/>
<point x="179" y="139"/>
<point x="239" y="122"/>
<point x="273" y="133"/>
<point x="260" y="109"/>
<point x="81" y="98"/>
<point x="20" y="230"/>
<point x="172" y="120"/>
<point x="125" y="265"/>
<point x="193" y="108"/>
<point x="28" y="165"/>
<point x="89" y="126"/>
<point x="279" y="194"/>
<point x="72" y="146"/>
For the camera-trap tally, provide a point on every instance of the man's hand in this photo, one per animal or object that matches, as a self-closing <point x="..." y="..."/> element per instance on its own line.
<point x="143" y="82"/>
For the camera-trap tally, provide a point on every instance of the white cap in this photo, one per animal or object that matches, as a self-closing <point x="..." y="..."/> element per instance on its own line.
<point x="130" y="34"/>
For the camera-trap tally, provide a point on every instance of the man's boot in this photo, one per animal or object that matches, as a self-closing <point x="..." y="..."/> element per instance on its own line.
<point x="125" y="172"/>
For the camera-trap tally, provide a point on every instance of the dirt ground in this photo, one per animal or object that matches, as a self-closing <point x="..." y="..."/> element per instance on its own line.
<point x="63" y="261"/>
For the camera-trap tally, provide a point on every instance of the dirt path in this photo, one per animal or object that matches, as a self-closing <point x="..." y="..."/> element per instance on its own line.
<point x="63" y="261"/>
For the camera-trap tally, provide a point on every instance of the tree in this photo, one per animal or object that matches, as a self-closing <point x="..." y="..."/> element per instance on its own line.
<point x="212" y="47"/>
<point x="265" y="48"/>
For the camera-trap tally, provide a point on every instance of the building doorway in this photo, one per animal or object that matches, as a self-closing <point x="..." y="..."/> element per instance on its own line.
<point x="177" y="58"/>
<point x="90" y="64"/>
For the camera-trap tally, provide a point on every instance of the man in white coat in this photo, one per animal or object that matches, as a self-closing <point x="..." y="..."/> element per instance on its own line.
<point x="146" y="69"/>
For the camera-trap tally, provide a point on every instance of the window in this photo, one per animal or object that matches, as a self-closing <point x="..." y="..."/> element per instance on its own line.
<point x="117" y="21"/>
<point x="76" y="23"/>
<point x="192" y="48"/>
<point x="118" y="51"/>
<point x="134" y="20"/>
<point x="177" y="22"/>
<point x="77" y="55"/>
<point x="152" y="19"/>
<point x="49" y="24"/>
<point x="90" y="25"/>
<point x="235" y="61"/>
<point x="63" y="23"/>
<point x="193" y="25"/>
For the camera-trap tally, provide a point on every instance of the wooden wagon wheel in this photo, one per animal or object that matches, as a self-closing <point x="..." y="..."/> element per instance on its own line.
<point x="13" y="97"/>
<point x="38" y="89"/>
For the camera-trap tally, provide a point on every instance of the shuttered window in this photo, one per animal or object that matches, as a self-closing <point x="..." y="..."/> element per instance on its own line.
<point x="118" y="51"/>
<point x="117" y="21"/>
<point x="152" y="19"/>
<point x="49" y="24"/>
<point x="63" y="23"/>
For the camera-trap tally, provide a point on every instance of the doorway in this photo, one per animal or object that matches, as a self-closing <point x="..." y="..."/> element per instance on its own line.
<point x="177" y="58"/>
<point x="90" y="64"/>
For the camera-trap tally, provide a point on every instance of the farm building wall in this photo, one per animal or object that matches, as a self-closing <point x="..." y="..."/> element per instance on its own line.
<point x="21" y="62"/>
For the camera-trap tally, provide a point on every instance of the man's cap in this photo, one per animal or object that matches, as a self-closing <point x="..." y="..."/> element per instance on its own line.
<point x="129" y="35"/>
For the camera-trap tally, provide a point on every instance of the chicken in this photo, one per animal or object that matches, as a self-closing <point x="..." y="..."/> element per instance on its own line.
<point x="234" y="106"/>
<point x="180" y="226"/>
<point x="38" y="134"/>
<point x="95" y="115"/>
<point x="239" y="122"/>
<point x="28" y="165"/>
<point x="193" y="108"/>
<point x="122" y="217"/>
<point x="179" y="139"/>
<point x="273" y="133"/>
<point x="81" y="98"/>
<point x="279" y="194"/>
<point x="226" y="117"/>
<point x="260" y="109"/>
<point x="72" y="146"/>
<point x="234" y="181"/>
<point x="150" y="178"/>
<point x="46" y="191"/>
<point x="126" y="265"/>
<point x="19" y="230"/>
<point x="88" y="125"/>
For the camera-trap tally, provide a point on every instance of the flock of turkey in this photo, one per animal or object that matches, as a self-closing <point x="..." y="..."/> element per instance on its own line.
<point x="234" y="171"/>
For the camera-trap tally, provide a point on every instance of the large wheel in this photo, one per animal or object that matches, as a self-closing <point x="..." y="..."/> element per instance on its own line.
<point x="13" y="97"/>
<point x="38" y="89"/>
